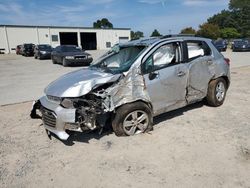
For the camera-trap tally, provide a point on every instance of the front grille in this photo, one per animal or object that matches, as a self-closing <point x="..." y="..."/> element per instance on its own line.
<point x="48" y="117"/>
<point x="80" y="57"/>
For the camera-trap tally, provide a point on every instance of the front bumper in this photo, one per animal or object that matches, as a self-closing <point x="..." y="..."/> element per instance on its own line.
<point x="57" y="119"/>
<point x="79" y="61"/>
<point x="45" y="56"/>
<point x="241" y="49"/>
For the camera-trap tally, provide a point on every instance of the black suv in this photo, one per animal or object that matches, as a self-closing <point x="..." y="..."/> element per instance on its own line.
<point x="42" y="51"/>
<point x="27" y="49"/>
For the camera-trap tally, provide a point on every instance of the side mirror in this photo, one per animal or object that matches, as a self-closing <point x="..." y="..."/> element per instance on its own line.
<point x="153" y="75"/>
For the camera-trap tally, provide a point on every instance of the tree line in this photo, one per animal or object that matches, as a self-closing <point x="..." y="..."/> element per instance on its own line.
<point x="228" y="24"/>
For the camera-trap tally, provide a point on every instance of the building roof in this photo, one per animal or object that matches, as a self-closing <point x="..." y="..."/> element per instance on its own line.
<point x="62" y="27"/>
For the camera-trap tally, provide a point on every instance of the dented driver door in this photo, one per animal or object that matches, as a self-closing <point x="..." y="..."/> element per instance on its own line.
<point x="166" y="78"/>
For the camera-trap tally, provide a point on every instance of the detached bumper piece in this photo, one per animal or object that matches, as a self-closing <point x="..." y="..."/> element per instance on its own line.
<point x="35" y="106"/>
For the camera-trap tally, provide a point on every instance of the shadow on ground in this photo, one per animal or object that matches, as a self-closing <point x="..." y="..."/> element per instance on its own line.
<point x="88" y="135"/>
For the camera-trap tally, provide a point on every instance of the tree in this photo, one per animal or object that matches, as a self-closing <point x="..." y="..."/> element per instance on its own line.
<point x="238" y="17"/>
<point x="241" y="10"/>
<point x="223" y="19"/>
<point x="229" y="33"/>
<point x="103" y="23"/>
<point x="155" y="33"/>
<point x="238" y="4"/>
<point x="136" y="35"/>
<point x="188" y="30"/>
<point x="209" y="31"/>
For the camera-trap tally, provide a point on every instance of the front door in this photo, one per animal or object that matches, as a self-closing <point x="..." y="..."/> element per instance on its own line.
<point x="166" y="78"/>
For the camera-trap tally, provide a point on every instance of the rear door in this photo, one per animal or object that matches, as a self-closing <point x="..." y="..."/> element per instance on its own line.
<point x="200" y="64"/>
<point x="165" y="77"/>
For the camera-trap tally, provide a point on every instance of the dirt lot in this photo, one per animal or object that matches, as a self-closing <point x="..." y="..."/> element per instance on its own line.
<point x="197" y="146"/>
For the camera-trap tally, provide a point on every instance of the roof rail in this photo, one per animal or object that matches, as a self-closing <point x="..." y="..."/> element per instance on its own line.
<point x="178" y="35"/>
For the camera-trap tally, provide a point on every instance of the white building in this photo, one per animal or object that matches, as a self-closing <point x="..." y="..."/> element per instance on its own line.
<point x="85" y="37"/>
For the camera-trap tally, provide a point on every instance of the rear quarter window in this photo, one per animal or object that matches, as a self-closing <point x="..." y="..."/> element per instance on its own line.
<point x="197" y="49"/>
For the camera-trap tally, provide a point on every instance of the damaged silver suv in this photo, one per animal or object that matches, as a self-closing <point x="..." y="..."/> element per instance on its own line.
<point x="134" y="82"/>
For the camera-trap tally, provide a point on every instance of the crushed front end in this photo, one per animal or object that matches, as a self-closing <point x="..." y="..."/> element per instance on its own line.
<point x="76" y="114"/>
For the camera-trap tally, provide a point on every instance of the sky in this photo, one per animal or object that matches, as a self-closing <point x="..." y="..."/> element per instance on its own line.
<point x="167" y="16"/>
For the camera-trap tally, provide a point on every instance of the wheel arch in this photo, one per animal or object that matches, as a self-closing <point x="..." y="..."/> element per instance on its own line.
<point x="139" y="100"/>
<point x="225" y="78"/>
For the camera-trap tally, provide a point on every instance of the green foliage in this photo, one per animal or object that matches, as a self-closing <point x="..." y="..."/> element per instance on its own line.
<point x="223" y="19"/>
<point x="136" y="35"/>
<point x="209" y="31"/>
<point x="188" y="30"/>
<point x="238" y="17"/>
<point x="155" y="33"/>
<point x="103" y="23"/>
<point x="229" y="33"/>
<point x="238" y="4"/>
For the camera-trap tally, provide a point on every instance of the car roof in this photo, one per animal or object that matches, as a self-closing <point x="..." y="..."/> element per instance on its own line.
<point x="151" y="40"/>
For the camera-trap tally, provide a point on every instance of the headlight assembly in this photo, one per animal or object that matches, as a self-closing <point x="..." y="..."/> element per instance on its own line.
<point x="67" y="103"/>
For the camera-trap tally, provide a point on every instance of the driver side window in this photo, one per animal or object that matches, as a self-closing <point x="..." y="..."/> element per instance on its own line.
<point x="164" y="56"/>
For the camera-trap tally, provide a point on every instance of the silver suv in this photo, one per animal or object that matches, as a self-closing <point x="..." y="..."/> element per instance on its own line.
<point x="134" y="82"/>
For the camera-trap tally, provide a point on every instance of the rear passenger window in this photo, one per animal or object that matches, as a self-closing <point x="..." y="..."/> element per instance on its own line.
<point x="197" y="49"/>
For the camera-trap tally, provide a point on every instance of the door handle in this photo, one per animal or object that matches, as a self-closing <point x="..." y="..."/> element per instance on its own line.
<point x="181" y="73"/>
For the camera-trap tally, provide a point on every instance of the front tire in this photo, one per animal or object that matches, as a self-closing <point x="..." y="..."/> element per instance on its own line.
<point x="64" y="62"/>
<point x="132" y="118"/>
<point x="53" y="60"/>
<point x="216" y="92"/>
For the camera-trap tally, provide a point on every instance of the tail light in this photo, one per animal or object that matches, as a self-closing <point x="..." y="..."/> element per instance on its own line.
<point x="227" y="61"/>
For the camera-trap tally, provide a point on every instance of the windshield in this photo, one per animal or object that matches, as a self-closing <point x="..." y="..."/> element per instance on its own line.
<point x="119" y="60"/>
<point x="28" y="46"/>
<point x="70" y="49"/>
<point x="44" y="47"/>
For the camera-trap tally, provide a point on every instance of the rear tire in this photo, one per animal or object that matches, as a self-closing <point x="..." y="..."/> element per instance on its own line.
<point x="132" y="118"/>
<point x="216" y="93"/>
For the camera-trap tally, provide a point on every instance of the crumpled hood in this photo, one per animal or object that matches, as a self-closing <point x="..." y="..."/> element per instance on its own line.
<point x="79" y="83"/>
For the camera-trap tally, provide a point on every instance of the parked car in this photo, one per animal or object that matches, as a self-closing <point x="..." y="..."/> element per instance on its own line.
<point x="42" y="51"/>
<point x="18" y="48"/>
<point x="241" y="45"/>
<point x="221" y="45"/>
<point x="27" y="49"/>
<point x="70" y="54"/>
<point x="138" y="80"/>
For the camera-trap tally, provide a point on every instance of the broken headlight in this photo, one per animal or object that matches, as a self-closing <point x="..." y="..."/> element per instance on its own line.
<point x="67" y="103"/>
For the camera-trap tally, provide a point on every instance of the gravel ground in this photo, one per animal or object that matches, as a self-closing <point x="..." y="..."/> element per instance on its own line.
<point x="196" y="146"/>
